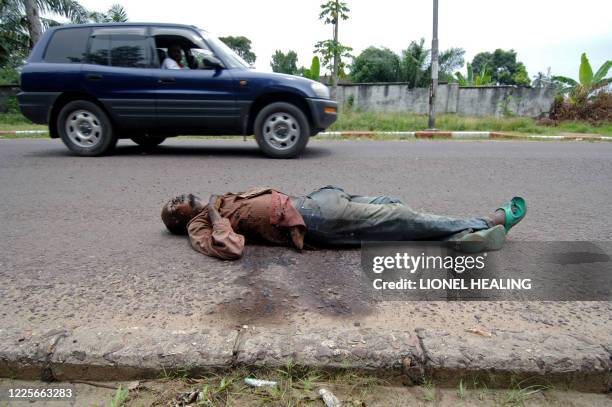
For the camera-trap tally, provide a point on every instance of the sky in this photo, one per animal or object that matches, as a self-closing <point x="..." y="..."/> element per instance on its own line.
<point x="544" y="33"/>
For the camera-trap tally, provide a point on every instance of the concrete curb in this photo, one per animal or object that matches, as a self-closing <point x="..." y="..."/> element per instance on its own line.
<point x="18" y="132"/>
<point x="484" y="135"/>
<point x="404" y="356"/>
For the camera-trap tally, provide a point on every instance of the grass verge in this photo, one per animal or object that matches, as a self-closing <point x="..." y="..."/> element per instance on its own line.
<point x="372" y="121"/>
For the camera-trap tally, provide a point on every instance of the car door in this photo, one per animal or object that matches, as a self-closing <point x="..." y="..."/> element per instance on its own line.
<point x="194" y="100"/>
<point x="118" y="72"/>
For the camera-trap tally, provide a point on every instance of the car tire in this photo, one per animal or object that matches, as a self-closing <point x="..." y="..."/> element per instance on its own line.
<point x="281" y="130"/>
<point x="148" y="141"/>
<point x="85" y="129"/>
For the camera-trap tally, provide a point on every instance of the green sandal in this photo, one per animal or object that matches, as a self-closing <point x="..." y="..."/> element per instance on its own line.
<point x="515" y="211"/>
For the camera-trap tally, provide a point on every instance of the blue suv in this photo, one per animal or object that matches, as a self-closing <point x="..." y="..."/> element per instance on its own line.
<point x="96" y="83"/>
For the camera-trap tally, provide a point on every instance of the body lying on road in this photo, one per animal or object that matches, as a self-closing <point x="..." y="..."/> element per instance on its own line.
<point x="327" y="217"/>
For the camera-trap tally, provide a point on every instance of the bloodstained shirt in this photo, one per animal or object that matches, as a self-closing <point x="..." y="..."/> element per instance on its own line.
<point x="261" y="214"/>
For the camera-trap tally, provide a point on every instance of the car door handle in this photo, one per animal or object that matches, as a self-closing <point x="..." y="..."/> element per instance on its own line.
<point x="167" y="80"/>
<point x="93" y="77"/>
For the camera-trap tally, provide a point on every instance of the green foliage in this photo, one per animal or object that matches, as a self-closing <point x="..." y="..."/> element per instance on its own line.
<point x="448" y="61"/>
<point x="505" y="70"/>
<point x="332" y="9"/>
<point x="480" y="79"/>
<point x="315" y="70"/>
<point x="414" y="65"/>
<point x="9" y="75"/>
<point x="242" y="46"/>
<point x="377" y="121"/>
<point x="120" y="398"/>
<point x="332" y="52"/>
<point x="376" y="65"/>
<point x="505" y="106"/>
<point x="589" y="83"/>
<point x="327" y="49"/>
<point x="15" y="42"/>
<point x="115" y="14"/>
<point x="284" y="63"/>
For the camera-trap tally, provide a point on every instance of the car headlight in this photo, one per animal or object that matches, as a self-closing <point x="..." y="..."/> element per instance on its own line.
<point x="320" y="90"/>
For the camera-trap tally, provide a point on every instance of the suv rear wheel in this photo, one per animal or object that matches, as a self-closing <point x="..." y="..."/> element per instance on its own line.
<point x="281" y="130"/>
<point x="85" y="128"/>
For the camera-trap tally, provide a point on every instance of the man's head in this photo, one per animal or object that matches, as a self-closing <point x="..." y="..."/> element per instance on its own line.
<point x="177" y="213"/>
<point x="174" y="52"/>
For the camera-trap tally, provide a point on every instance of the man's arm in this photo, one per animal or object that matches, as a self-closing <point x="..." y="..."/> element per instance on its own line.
<point x="212" y="235"/>
<point x="170" y="63"/>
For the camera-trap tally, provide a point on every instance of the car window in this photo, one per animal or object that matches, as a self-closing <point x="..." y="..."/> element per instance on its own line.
<point x="123" y="50"/>
<point x="67" y="45"/>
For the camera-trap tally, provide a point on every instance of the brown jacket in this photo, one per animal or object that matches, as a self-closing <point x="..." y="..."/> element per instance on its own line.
<point x="261" y="214"/>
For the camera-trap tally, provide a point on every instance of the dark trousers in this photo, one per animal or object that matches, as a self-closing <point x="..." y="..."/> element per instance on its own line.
<point x="335" y="218"/>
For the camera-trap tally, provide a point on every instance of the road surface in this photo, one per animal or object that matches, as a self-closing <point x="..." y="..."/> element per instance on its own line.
<point x="83" y="245"/>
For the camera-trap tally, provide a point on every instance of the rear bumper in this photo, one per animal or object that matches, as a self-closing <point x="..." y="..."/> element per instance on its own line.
<point x="36" y="106"/>
<point x="324" y="113"/>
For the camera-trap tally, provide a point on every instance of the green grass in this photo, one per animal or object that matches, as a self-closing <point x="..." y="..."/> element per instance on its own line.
<point x="372" y="121"/>
<point x="119" y="399"/>
<point x="15" y="121"/>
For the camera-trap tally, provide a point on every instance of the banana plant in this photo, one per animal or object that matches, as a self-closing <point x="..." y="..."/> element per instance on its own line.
<point x="483" y="78"/>
<point x="587" y="83"/>
<point x="314" y="71"/>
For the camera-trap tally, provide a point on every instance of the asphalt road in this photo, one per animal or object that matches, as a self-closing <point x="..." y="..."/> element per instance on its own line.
<point x="83" y="244"/>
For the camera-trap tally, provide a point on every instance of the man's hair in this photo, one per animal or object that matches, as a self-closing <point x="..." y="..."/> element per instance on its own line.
<point x="175" y="221"/>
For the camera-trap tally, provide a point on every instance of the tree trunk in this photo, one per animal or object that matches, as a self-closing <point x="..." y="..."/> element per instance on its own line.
<point x="34" y="24"/>
<point x="336" y="57"/>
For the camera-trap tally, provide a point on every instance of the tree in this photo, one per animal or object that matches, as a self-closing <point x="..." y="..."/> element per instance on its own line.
<point x="449" y="61"/>
<point x="542" y="80"/>
<point x="587" y="84"/>
<point x="505" y="70"/>
<point x="70" y="9"/>
<point x="242" y="46"/>
<point x="284" y="63"/>
<point x="414" y="64"/>
<point x="480" y="79"/>
<point x="332" y="51"/>
<point x="314" y="71"/>
<point x="115" y="14"/>
<point x="376" y="65"/>
<point x="22" y="23"/>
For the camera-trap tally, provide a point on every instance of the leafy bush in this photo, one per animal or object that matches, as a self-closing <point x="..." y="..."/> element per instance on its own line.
<point x="595" y="110"/>
<point x="9" y="76"/>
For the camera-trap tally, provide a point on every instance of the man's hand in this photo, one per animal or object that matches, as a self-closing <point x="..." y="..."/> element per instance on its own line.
<point x="213" y="214"/>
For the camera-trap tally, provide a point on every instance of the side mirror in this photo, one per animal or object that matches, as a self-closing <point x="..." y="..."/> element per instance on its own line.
<point x="210" y="61"/>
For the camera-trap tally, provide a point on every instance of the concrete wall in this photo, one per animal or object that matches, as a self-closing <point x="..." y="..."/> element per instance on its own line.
<point x="466" y="101"/>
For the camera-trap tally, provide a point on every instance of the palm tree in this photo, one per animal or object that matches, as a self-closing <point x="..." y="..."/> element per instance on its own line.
<point x="115" y="14"/>
<point x="414" y="64"/>
<point x="22" y="24"/>
<point x="589" y="82"/>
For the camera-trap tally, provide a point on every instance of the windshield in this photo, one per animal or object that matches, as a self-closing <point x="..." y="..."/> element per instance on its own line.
<point x="230" y="57"/>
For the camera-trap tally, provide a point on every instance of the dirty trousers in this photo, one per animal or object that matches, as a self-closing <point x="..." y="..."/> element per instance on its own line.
<point x="335" y="218"/>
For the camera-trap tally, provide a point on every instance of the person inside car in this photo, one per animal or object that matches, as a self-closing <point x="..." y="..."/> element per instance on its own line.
<point x="173" y="60"/>
<point x="326" y="217"/>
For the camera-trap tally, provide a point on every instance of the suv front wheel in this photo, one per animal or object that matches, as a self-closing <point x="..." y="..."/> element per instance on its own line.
<point x="85" y="128"/>
<point x="281" y="130"/>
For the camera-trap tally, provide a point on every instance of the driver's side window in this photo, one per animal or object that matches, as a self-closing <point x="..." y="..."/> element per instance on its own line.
<point x="180" y="52"/>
